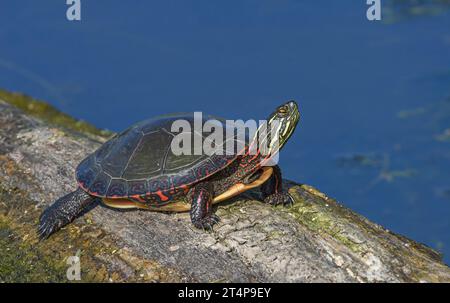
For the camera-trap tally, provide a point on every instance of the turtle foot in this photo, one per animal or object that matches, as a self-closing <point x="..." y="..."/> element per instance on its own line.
<point x="279" y="199"/>
<point x="62" y="212"/>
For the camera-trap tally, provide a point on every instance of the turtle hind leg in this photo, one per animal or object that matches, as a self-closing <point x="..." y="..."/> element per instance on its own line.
<point x="201" y="197"/>
<point x="272" y="190"/>
<point x="63" y="211"/>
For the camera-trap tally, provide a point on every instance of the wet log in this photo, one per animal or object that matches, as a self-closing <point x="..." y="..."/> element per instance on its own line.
<point x="315" y="240"/>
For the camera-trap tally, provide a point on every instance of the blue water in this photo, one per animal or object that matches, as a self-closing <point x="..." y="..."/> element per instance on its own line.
<point x="374" y="96"/>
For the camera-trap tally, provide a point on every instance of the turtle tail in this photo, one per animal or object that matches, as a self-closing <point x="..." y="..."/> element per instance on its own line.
<point x="62" y="212"/>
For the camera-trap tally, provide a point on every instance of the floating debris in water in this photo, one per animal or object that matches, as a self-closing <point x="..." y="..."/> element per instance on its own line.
<point x="444" y="137"/>
<point x="408" y="113"/>
<point x="443" y="193"/>
<point x="400" y="10"/>
<point x="389" y="175"/>
<point x="360" y="160"/>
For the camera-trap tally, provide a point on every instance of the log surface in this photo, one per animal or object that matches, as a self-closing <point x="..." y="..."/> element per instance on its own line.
<point x="316" y="240"/>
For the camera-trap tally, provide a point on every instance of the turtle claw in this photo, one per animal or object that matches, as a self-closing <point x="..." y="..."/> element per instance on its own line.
<point x="279" y="199"/>
<point x="215" y="218"/>
<point x="44" y="231"/>
<point x="49" y="222"/>
<point x="207" y="222"/>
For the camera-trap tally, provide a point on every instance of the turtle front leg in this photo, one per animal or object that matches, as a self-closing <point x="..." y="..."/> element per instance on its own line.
<point x="63" y="211"/>
<point x="272" y="189"/>
<point x="201" y="197"/>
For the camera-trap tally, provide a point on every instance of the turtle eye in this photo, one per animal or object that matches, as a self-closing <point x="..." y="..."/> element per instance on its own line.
<point x="282" y="111"/>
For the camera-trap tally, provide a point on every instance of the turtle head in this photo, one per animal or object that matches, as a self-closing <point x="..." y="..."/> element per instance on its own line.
<point x="280" y="126"/>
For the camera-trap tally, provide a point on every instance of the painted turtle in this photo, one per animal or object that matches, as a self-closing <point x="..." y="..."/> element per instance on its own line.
<point x="137" y="169"/>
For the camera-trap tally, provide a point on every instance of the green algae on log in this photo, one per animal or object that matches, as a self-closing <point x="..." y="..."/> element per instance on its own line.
<point x="45" y="111"/>
<point x="317" y="239"/>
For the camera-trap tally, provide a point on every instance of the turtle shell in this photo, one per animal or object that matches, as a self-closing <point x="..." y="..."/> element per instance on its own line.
<point x="139" y="163"/>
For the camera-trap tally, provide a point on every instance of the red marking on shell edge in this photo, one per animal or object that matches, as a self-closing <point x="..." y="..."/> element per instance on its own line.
<point x="162" y="196"/>
<point x="185" y="188"/>
<point x="82" y="185"/>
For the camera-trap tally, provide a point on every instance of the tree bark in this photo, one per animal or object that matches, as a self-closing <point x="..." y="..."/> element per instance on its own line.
<point x="315" y="240"/>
